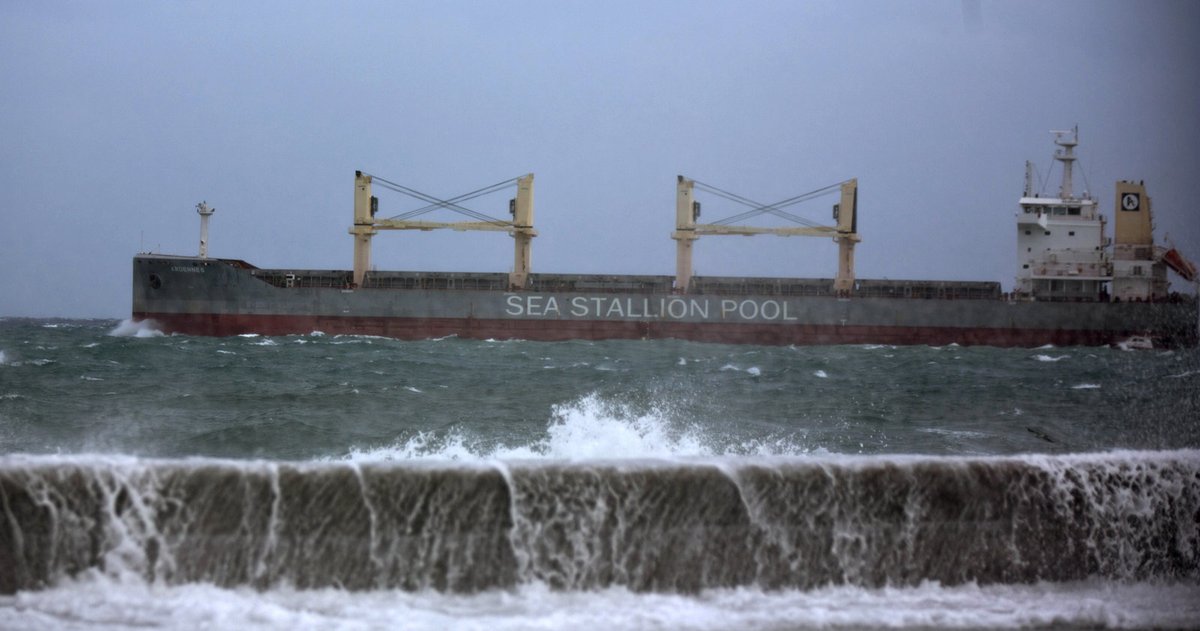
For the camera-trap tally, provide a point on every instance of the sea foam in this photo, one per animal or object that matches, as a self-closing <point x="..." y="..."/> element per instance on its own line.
<point x="104" y="602"/>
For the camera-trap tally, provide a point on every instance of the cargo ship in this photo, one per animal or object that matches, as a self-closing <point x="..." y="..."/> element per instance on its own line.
<point x="1075" y="286"/>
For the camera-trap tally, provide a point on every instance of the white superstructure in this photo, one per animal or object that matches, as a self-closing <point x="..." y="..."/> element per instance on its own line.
<point x="1061" y="247"/>
<point x="1064" y="254"/>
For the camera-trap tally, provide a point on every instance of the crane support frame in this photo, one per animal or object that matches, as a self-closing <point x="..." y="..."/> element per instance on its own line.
<point x="520" y="227"/>
<point x="845" y="233"/>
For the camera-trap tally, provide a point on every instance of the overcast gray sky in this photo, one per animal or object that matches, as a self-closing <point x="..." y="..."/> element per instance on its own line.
<point x="116" y="118"/>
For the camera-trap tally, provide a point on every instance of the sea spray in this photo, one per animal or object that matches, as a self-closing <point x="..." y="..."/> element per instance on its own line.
<point x="136" y="328"/>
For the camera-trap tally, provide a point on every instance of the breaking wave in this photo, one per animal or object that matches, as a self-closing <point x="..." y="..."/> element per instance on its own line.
<point x="589" y="428"/>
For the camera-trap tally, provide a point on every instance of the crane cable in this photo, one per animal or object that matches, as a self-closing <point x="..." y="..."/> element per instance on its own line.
<point x="461" y="198"/>
<point x="775" y="208"/>
<point x="449" y="204"/>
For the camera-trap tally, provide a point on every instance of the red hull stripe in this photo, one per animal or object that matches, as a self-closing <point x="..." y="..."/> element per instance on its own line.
<point x="560" y="330"/>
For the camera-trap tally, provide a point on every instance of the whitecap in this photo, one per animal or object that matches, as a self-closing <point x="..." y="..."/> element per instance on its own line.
<point x="1086" y="386"/>
<point x="1047" y="358"/>
<point x="753" y="371"/>
<point x="412" y="389"/>
<point x="821" y="374"/>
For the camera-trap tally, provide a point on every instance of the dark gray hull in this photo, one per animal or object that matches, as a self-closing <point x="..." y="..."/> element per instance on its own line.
<point x="221" y="297"/>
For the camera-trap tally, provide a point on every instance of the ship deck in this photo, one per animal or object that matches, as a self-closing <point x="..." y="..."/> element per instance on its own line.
<point x="633" y="284"/>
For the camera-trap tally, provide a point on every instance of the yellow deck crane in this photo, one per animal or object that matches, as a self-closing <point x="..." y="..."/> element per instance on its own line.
<point x="520" y="226"/>
<point x="845" y="233"/>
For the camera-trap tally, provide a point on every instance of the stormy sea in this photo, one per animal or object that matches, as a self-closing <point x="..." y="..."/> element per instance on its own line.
<point x="321" y="481"/>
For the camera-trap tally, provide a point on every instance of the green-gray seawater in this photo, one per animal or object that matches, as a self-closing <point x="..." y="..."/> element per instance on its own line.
<point x="73" y="387"/>
<point x="317" y="481"/>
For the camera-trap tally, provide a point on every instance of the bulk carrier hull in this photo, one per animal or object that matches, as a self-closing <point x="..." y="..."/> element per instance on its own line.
<point x="222" y="297"/>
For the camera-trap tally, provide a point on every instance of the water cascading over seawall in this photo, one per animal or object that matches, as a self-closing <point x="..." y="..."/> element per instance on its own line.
<point x="647" y="526"/>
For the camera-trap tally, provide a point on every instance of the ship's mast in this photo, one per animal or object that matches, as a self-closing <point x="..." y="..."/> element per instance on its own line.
<point x="1066" y="155"/>
<point x="205" y="211"/>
